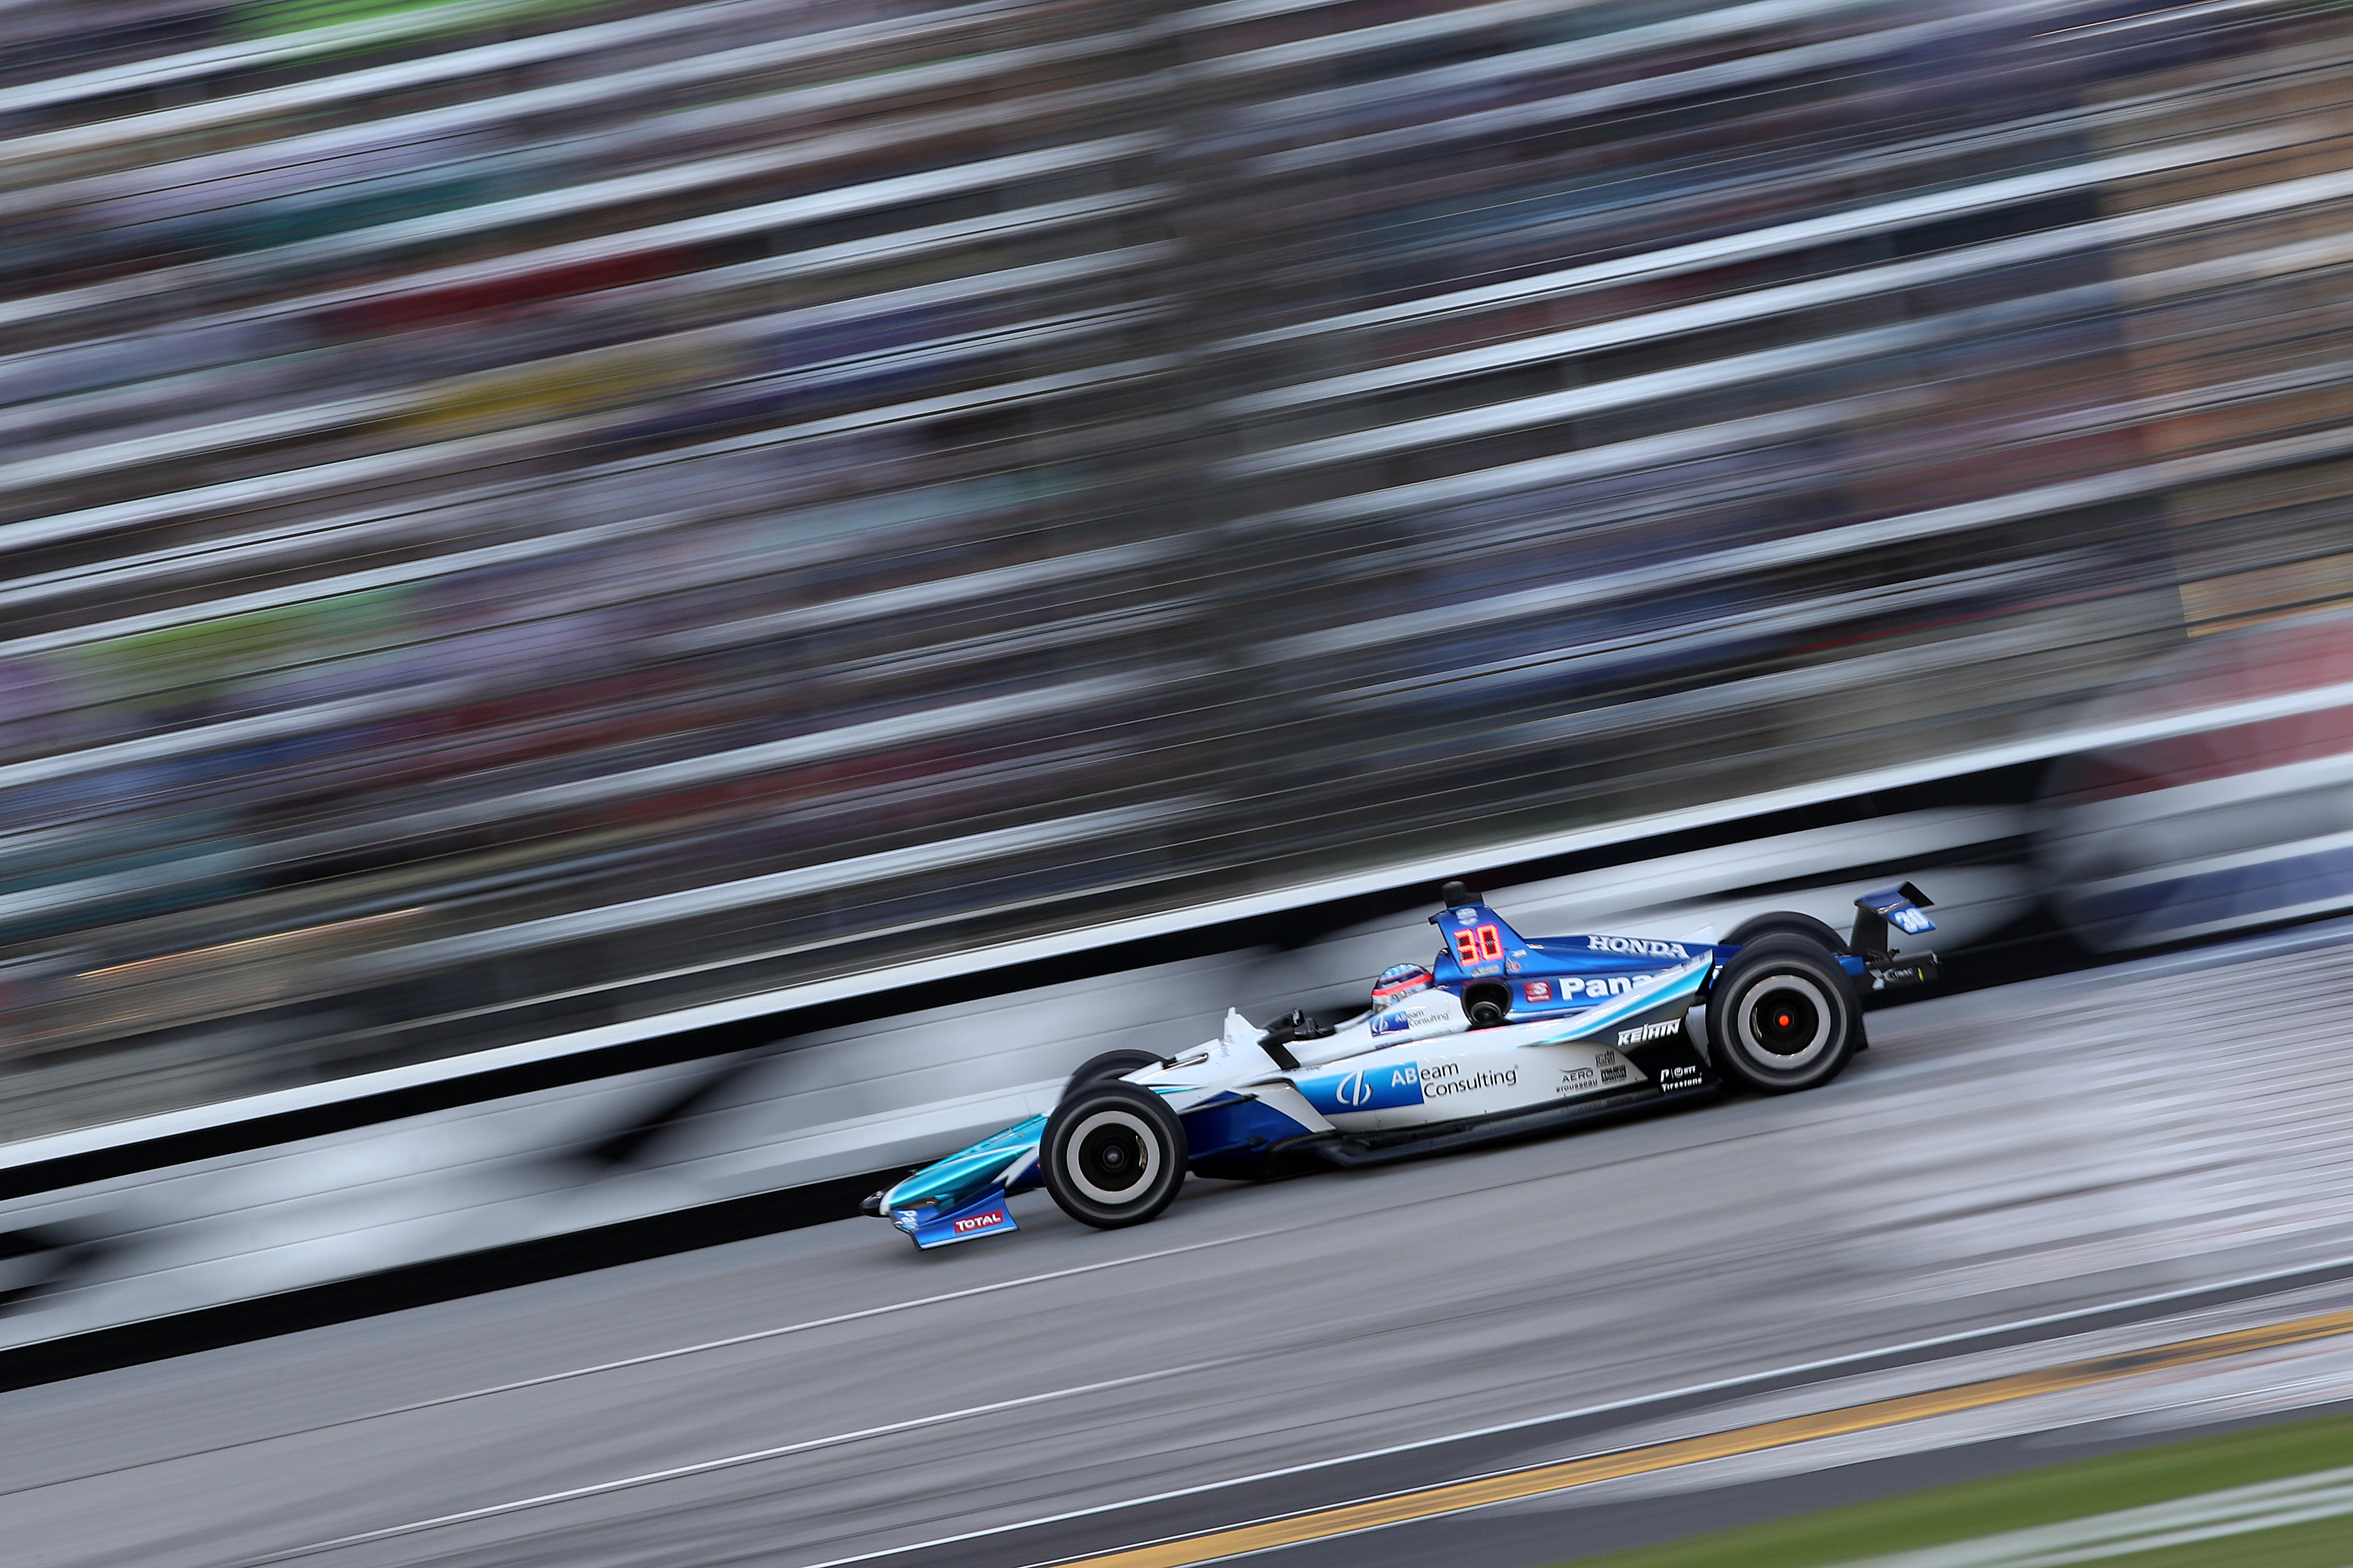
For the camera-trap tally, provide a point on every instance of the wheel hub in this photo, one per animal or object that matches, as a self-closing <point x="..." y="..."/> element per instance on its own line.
<point x="1112" y="1158"/>
<point x="1784" y="1022"/>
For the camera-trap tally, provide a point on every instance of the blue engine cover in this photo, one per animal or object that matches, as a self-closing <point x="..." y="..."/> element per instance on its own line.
<point x="1547" y="975"/>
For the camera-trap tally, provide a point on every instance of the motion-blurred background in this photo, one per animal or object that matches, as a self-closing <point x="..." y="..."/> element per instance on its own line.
<point x="524" y="512"/>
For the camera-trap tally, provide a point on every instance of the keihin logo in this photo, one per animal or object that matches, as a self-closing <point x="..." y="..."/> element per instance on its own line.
<point x="1658" y="1031"/>
<point x="1641" y="946"/>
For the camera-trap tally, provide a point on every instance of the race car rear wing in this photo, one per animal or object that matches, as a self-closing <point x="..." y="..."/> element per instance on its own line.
<point x="1899" y="907"/>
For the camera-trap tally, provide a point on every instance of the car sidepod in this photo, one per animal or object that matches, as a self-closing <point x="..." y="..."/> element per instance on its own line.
<point x="1648" y="1024"/>
<point x="1633" y="1046"/>
<point x="1240" y="1136"/>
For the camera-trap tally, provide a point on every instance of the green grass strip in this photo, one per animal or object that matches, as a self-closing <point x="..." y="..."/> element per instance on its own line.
<point x="1971" y="1510"/>
<point x="343" y="27"/>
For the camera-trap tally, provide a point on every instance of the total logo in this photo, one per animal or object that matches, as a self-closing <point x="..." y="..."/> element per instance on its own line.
<point x="973" y="1222"/>
<point x="1641" y="946"/>
<point x="1658" y="1031"/>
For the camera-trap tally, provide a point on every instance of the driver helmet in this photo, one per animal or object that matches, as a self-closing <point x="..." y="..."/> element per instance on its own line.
<point x="1399" y="981"/>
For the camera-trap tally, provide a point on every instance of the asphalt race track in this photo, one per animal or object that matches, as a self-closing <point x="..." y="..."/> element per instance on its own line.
<point x="2008" y="1180"/>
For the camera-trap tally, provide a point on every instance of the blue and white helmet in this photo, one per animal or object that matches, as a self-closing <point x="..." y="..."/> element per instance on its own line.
<point x="1399" y="981"/>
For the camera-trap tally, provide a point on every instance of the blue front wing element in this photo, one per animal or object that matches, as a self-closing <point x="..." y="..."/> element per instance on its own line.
<point x="951" y="1182"/>
<point x="984" y="1216"/>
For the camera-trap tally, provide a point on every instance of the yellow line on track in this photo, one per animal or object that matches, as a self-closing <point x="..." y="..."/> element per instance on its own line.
<point x="1456" y="1496"/>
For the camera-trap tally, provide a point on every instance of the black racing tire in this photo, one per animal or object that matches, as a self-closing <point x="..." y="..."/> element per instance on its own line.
<point x="1110" y="1065"/>
<point x="1786" y="922"/>
<point x="1782" y="1016"/>
<point x="1114" y="1154"/>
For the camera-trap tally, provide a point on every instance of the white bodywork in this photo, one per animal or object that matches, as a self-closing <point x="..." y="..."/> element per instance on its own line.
<point x="1420" y="1063"/>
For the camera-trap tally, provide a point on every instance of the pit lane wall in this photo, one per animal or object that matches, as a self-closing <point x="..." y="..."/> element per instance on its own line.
<point x="165" y="1220"/>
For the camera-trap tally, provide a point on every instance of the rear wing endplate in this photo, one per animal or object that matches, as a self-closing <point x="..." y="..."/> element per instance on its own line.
<point x="1899" y="907"/>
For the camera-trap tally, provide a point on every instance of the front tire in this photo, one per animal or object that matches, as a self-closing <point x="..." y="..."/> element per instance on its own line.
<point x="1114" y="1154"/>
<point x="1783" y="1017"/>
<point x="1110" y="1065"/>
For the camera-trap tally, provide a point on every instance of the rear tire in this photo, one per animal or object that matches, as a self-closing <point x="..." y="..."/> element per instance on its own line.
<point x="1110" y="1065"/>
<point x="1782" y="1016"/>
<point x="1114" y="1154"/>
<point x="1786" y="922"/>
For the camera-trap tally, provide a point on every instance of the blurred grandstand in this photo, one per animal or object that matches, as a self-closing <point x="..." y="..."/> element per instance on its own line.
<point x="525" y="512"/>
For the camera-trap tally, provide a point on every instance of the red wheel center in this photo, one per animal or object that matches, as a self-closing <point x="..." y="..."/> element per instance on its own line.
<point x="1783" y="1020"/>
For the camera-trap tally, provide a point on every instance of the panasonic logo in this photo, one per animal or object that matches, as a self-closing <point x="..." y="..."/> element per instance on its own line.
<point x="1658" y="1031"/>
<point x="1642" y="945"/>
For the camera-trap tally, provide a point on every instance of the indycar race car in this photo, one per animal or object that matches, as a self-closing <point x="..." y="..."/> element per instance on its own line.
<point x="1501" y="1035"/>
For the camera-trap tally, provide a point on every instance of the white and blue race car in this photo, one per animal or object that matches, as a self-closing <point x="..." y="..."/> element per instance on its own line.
<point x="1501" y="1036"/>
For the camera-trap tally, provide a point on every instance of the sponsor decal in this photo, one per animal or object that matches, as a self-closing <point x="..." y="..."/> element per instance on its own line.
<point x="1576" y="1080"/>
<point x="1613" y="1075"/>
<point x="1536" y="990"/>
<point x="1378" y="1088"/>
<point x="1910" y="920"/>
<point x="1602" y="986"/>
<point x="1639" y="946"/>
<point x="1679" y="1078"/>
<point x="1479" y="945"/>
<point x="1401" y="1020"/>
<point x="1439" y="1079"/>
<point x="1658" y="1031"/>
<point x="973" y="1222"/>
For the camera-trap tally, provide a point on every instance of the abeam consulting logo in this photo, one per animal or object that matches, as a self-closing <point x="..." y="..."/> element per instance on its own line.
<point x="1374" y="1087"/>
